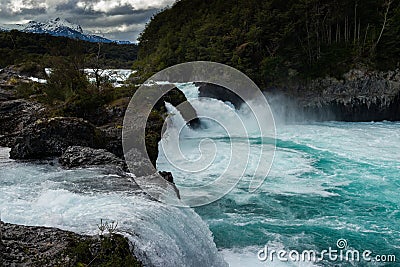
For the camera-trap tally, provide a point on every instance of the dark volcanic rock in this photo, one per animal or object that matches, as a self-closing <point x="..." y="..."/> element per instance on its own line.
<point x="360" y="96"/>
<point x="138" y="164"/>
<point x="113" y="140"/>
<point x="78" y="156"/>
<point x="15" y="115"/>
<point x="51" y="137"/>
<point x="154" y="121"/>
<point x="167" y="176"/>
<point x="178" y="99"/>
<point x="42" y="246"/>
<point x="219" y="92"/>
<point x="7" y="94"/>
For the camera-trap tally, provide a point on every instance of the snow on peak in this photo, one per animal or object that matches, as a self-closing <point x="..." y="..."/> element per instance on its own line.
<point x="57" y="26"/>
<point x="61" y="27"/>
<point x="60" y="23"/>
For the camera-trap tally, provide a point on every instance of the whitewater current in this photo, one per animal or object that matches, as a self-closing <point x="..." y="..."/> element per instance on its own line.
<point x="44" y="194"/>
<point x="329" y="181"/>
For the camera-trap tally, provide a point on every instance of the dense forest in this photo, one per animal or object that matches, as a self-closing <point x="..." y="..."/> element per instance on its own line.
<point x="30" y="48"/>
<point x="275" y="41"/>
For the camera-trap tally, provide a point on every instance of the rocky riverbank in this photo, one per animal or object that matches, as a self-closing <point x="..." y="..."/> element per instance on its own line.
<point x="32" y="133"/>
<point x="360" y="95"/>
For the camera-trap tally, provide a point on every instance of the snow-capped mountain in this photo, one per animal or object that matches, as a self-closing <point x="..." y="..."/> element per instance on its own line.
<point x="61" y="27"/>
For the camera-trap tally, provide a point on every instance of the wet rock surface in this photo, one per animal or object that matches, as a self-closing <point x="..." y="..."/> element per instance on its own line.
<point x="360" y="95"/>
<point x="219" y="92"/>
<point x="78" y="156"/>
<point x="50" y="137"/>
<point x="18" y="113"/>
<point x="41" y="246"/>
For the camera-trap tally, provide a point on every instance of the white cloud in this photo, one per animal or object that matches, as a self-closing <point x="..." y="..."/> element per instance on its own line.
<point x="16" y="6"/>
<point x="114" y="29"/>
<point x="123" y="19"/>
<point x="107" y="5"/>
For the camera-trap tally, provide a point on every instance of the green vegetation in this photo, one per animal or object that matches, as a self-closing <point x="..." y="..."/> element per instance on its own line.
<point x="41" y="49"/>
<point x="110" y="251"/>
<point x="87" y="103"/>
<point x="274" y="41"/>
<point x="69" y="93"/>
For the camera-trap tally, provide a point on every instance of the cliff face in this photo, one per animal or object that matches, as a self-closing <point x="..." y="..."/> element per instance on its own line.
<point x="360" y="96"/>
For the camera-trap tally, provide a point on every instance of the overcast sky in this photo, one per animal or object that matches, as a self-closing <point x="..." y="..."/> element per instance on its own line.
<point x="114" y="19"/>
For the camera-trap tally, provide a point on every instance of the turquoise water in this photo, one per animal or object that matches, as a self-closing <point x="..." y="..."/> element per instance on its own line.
<point x="329" y="181"/>
<point x="345" y="185"/>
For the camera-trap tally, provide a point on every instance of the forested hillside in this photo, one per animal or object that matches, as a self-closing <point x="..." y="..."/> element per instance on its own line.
<point x="275" y="41"/>
<point x="19" y="47"/>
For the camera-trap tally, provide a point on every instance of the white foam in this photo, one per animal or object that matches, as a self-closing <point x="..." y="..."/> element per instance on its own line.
<point x="76" y="200"/>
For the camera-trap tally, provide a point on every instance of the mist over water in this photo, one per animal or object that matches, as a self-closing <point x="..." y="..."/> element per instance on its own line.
<point x="328" y="181"/>
<point x="286" y="110"/>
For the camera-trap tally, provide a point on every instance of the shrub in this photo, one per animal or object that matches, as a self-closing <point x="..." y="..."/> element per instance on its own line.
<point x="25" y="90"/>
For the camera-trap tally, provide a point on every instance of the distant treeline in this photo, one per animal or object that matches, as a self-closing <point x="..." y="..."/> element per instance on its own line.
<point x="19" y="48"/>
<point x="275" y="41"/>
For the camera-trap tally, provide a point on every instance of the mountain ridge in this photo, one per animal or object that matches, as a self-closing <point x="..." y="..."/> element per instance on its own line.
<point x="60" y="27"/>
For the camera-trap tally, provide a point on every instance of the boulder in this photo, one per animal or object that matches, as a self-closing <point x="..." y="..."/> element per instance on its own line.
<point x="78" y="156"/>
<point x="113" y="141"/>
<point x="220" y="93"/>
<point x="15" y="115"/>
<point x="178" y="99"/>
<point x="138" y="164"/>
<point x="50" y="137"/>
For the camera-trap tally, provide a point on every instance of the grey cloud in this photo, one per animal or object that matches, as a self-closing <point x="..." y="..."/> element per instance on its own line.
<point x="72" y="7"/>
<point x="121" y="22"/>
<point x="31" y="11"/>
<point x="135" y="17"/>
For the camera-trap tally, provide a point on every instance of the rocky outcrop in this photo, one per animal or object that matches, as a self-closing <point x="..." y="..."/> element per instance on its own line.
<point x="113" y="140"/>
<point x="178" y="99"/>
<point x="78" y="156"/>
<point x="42" y="246"/>
<point x="138" y="164"/>
<point x="7" y="94"/>
<point x="155" y="121"/>
<point x="50" y="137"/>
<point x="359" y="96"/>
<point x="219" y="92"/>
<point x="15" y="115"/>
<point x="7" y="75"/>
